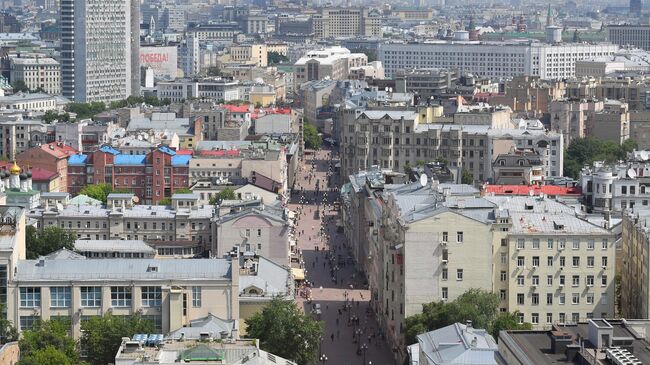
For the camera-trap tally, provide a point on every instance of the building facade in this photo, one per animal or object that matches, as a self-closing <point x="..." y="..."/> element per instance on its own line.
<point x="42" y="74"/>
<point x="630" y="35"/>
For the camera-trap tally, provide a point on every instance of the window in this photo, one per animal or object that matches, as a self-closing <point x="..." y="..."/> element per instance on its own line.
<point x="604" y="261"/>
<point x="549" y="280"/>
<point x="590" y="261"/>
<point x="520" y="317"/>
<point x="520" y="261"/>
<point x="549" y="298"/>
<point x="604" y="244"/>
<point x="445" y="236"/>
<point x="151" y="296"/>
<point x="562" y="261"/>
<point x="120" y="296"/>
<point x="60" y="297"/>
<point x="520" y="280"/>
<point x="459" y="237"/>
<point x="196" y="296"/>
<point x="30" y="297"/>
<point x="561" y="244"/>
<point x="156" y="320"/>
<point x="535" y="299"/>
<point x="534" y="319"/>
<point x="561" y="299"/>
<point x="502" y="294"/>
<point x="536" y="244"/>
<point x="590" y="280"/>
<point x="521" y="244"/>
<point x="575" y="298"/>
<point x="535" y="280"/>
<point x="576" y="261"/>
<point x="549" y="244"/>
<point x="535" y="261"/>
<point x="562" y="317"/>
<point x="445" y="293"/>
<point x="91" y="296"/>
<point x="28" y="322"/>
<point x="504" y="259"/>
<point x="459" y="274"/>
<point x="520" y="299"/>
<point x="575" y="317"/>
<point x="549" y="261"/>
<point x="562" y="280"/>
<point x="590" y="298"/>
<point x="575" y="280"/>
<point x="591" y="244"/>
<point x="603" y="299"/>
<point x="576" y="244"/>
<point x="549" y="317"/>
<point x="504" y="276"/>
<point x="603" y="280"/>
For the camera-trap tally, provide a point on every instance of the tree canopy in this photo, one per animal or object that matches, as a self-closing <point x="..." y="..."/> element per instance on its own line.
<point x="8" y="333"/>
<point x="136" y="100"/>
<point x="584" y="151"/>
<point x="86" y="110"/>
<point x="225" y="194"/>
<point x="479" y="306"/>
<point x="310" y="135"/>
<point x="100" y="191"/>
<point x="20" y="86"/>
<point x="52" y="115"/>
<point x="102" y="335"/>
<point x="48" y="240"/>
<point x="275" y="58"/>
<point x="285" y="331"/>
<point x="466" y="177"/>
<point x="49" y="339"/>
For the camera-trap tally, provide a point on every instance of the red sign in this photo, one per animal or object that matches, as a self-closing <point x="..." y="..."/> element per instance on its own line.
<point x="154" y="57"/>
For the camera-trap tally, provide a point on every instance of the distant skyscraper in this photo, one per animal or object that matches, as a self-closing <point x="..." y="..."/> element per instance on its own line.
<point x="635" y="7"/>
<point x="100" y="45"/>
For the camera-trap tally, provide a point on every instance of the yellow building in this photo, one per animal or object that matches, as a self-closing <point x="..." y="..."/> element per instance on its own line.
<point x="250" y="53"/>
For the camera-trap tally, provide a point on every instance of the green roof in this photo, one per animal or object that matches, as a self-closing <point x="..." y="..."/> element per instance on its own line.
<point x="201" y="353"/>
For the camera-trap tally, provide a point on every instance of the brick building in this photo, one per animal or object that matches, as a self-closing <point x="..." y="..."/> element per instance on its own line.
<point x="52" y="157"/>
<point x="151" y="177"/>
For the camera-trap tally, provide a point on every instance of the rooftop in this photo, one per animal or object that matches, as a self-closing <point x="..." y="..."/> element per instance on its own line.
<point x="457" y="344"/>
<point x="536" y="190"/>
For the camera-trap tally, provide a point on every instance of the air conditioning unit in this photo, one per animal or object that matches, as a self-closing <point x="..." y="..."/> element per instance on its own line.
<point x="561" y="285"/>
<point x="534" y="267"/>
<point x="444" y="243"/>
<point x="444" y="262"/>
<point x="604" y="267"/>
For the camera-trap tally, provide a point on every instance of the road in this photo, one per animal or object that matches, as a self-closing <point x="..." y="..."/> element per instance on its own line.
<point x="335" y="283"/>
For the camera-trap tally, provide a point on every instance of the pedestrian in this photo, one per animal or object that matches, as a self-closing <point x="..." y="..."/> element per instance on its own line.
<point x="332" y="337"/>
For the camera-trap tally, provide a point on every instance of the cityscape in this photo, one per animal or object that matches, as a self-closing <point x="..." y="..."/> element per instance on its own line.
<point x="311" y="182"/>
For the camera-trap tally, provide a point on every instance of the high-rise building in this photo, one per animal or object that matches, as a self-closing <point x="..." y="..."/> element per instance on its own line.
<point x="100" y="49"/>
<point x="635" y="7"/>
<point x="630" y="35"/>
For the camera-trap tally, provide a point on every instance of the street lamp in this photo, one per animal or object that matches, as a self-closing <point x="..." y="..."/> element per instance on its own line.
<point x="323" y="359"/>
<point x="364" y="348"/>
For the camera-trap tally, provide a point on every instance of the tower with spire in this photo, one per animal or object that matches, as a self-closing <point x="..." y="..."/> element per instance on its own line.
<point x="549" y="16"/>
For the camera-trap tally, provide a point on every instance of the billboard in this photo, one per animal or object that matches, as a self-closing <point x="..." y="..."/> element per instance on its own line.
<point x="163" y="61"/>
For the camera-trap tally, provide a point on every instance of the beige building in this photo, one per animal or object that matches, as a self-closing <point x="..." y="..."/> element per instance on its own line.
<point x="635" y="257"/>
<point x="530" y="94"/>
<point x="333" y="62"/>
<point x="346" y="22"/>
<point x="250" y="53"/>
<point x="612" y="124"/>
<point x="37" y="73"/>
<point x="571" y="117"/>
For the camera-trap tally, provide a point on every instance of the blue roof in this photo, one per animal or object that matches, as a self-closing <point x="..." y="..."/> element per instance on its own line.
<point x="130" y="159"/>
<point x="109" y="149"/>
<point x="77" y="159"/>
<point x="167" y="150"/>
<point x="181" y="160"/>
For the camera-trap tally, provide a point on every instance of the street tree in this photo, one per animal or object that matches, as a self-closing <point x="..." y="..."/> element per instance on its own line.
<point x="48" y="240"/>
<point x="49" y="355"/>
<point x="8" y="333"/>
<point x="54" y="334"/>
<point x="584" y="151"/>
<point x="285" y="331"/>
<point x="102" y="335"/>
<point x="225" y="194"/>
<point x="100" y="191"/>
<point x="310" y="135"/>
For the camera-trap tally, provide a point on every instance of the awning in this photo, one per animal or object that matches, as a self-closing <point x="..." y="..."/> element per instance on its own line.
<point x="298" y="274"/>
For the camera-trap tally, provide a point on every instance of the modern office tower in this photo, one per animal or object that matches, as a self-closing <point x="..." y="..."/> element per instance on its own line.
<point x="100" y="49"/>
<point x="630" y="35"/>
<point x="635" y="7"/>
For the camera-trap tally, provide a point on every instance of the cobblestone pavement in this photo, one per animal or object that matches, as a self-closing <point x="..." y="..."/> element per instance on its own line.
<point x="335" y="283"/>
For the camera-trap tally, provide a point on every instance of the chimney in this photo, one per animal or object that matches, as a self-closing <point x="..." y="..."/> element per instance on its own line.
<point x="468" y="323"/>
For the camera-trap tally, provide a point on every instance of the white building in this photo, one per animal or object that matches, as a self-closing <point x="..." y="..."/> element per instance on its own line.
<point x="216" y="89"/>
<point x="492" y="59"/>
<point x="333" y="62"/>
<point x="28" y="102"/>
<point x="100" y="49"/>
<point x="37" y="73"/>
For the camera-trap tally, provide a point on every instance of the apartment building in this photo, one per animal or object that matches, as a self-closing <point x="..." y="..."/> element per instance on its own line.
<point x="495" y="60"/>
<point x="42" y="74"/>
<point x="52" y="157"/>
<point x="426" y="83"/>
<point x="394" y="139"/>
<point x="530" y="94"/>
<point x="631" y="88"/>
<point x="333" y="62"/>
<point x="612" y="123"/>
<point x="256" y="54"/>
<point x="215" y="32"/>
<point x="346" y="22"/>
<point x="630" y="35"/>
<point x="151" y="177"/>
<point x="217" y="89"/>
<point x="571" y="117"/>
<point x="38" y="102"/>
<point x="431" y="242"/>
<point x="635" y="288"/>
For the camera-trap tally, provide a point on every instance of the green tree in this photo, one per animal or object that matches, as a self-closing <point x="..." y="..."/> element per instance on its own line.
<point x="214" y="71"/>
<point x="183" y="191"/>
<point x="50" y="239"/>
<point x="20" y="86"/>
<point x="86" y="110"/>
<point x="466" y="177"/>
<point x="371" y="54"/>
<point x="8" y="333"/>
<point x="225" y="194"/>
<point x="479" y="306"/>
<point x="285" y="331"/>
<point x="102" y="336"/>
<point x="165" y="201"/>
<point x="100" y="191"/>
<point x="49" y="355"/>
<point x="310" y="135"/>
<point x="52" y="333"/>
<point x="584" y="151"/>
<point x="274" y="58"/>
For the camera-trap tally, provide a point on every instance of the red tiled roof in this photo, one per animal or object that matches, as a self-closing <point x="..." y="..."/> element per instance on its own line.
<point x="59" y="150"/>
<point x="526" y="189"/>
<point x="237" y="108"/>
<point x="184" y="152"/>
<point x="38" y="174"/>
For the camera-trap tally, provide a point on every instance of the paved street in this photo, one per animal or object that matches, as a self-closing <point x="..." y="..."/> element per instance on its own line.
<point x="335" y="284"/>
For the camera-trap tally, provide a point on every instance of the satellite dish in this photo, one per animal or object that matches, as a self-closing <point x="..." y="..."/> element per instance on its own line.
<point x="136" y="199"/>
<point x="631" y="173"/>
<point x="424" y="179"/>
